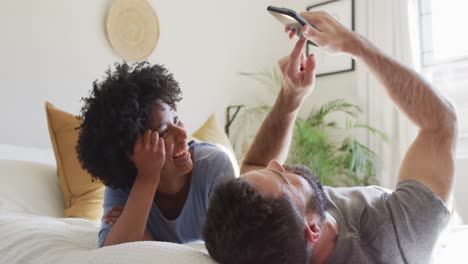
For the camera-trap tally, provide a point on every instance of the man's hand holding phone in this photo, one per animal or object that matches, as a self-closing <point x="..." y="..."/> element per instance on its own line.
<point x="319" y="28"/>
<point x="329" y="34"/>
<point x="290" y="19"/>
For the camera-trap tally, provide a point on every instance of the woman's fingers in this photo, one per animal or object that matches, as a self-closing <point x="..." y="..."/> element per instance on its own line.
<point x="147" y="139"/>
<point x="113" y="215"/>
<point x="116" y="210"/>
<point x="161" y="146"/>
<point x="154" y="140"/>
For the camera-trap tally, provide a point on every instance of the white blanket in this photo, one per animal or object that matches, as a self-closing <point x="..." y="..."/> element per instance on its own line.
<point x="30" y="238"/>
<point x="31" y="230"/>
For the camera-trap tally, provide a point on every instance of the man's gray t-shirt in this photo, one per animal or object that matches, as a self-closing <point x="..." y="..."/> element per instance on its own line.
<point x="211" y="165"/>
<point x="379" y="227"/>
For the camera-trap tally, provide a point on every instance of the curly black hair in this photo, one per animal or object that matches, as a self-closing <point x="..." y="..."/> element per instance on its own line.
<point x="116" y="113"/>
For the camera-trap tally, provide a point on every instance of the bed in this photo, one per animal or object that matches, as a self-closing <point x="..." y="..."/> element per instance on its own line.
<point x="33" y="229"/>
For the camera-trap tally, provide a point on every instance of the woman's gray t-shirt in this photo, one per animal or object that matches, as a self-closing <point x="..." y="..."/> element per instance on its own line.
<point x="211" y="166"/>
<point x="376" y="226"/>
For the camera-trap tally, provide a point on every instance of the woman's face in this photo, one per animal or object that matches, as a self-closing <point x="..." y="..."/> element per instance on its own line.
<point x="178" y="158"/>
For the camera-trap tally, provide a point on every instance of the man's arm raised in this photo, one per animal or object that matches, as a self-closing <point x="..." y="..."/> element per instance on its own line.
<point x="273" y="139"/>
<point x="430" y="159"/>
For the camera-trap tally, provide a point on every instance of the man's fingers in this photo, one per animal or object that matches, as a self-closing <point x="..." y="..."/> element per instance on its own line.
<point x="309" y="69"/>
<point x="291" y="32"/>
<point x="315" y="18"/>
<point x="282" y="63"/>
<point x="295" y="57"/>
<point x="303" y="62"/>
<point x="310" y="33"/>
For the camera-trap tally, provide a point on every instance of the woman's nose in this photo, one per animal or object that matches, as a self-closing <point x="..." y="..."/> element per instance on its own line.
<point x="181" y="133"/>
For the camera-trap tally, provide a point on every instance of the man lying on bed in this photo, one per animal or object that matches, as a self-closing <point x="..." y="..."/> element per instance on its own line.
<point x="281" y="214"/>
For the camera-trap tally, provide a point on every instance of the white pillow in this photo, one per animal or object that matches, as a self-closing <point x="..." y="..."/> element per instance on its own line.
<point x="30" y="187"/>
<point x="41" y="155"/>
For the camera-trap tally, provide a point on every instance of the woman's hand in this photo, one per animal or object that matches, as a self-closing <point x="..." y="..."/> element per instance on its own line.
<point x="149" y="156"/>
<point x="113" y="215"/>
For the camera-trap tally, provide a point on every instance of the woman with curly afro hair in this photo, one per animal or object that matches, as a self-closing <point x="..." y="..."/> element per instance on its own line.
<point x="157" y="184"/>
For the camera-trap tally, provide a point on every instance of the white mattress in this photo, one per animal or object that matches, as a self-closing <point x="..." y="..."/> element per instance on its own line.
<point x="33" y="231"/>
<point x="30" y="238"/>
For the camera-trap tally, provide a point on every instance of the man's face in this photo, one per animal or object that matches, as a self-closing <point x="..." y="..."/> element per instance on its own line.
<point x="274" y="181"/>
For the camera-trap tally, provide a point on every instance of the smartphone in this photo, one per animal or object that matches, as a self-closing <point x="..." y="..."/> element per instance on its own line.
<point x="290" y="19"/>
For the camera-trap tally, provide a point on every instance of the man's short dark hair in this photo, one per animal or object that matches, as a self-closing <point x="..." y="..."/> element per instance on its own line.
<point x="316" y="204"/>
<point x="243" y="226"/>
<point x="116" y="113"/>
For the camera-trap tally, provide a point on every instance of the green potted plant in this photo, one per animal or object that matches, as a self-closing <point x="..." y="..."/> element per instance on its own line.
<point x="331" y="150"/>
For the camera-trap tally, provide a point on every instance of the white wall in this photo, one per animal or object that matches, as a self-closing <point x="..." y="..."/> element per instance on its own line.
<point x="54" y="49"/>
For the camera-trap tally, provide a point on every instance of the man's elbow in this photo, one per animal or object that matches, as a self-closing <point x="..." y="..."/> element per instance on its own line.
<point x="447" y="130"/>
<point x="450" y="122"/>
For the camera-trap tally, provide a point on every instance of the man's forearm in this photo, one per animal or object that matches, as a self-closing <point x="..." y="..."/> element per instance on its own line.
<point x="274" y="136"/>
<point x="421" y="102"/>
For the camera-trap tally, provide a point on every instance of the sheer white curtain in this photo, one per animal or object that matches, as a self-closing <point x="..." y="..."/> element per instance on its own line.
<point x="387" y="24"/>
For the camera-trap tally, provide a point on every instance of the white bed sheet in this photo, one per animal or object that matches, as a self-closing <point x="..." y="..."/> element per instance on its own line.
<point x="32" y="230"/>
<point x="28" y="238"/>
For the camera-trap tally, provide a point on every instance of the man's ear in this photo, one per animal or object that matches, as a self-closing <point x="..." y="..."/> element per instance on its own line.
<point x="313" y="231"/>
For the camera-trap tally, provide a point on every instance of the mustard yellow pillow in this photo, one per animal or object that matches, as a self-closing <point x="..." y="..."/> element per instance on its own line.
<point x="213" y="133"/>
<point x="83" y="197"/>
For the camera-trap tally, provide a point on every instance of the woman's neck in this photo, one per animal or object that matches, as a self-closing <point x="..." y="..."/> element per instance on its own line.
<point x="172" y="185"/>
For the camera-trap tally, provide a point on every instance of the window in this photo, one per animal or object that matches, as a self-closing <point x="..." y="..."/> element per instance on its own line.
<point x="444" y="55"/>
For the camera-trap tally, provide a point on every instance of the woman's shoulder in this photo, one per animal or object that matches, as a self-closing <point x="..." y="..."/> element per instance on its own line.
<point x="204" y="151"/>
